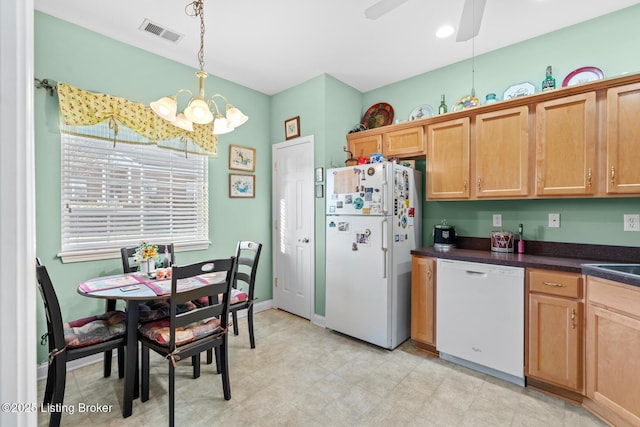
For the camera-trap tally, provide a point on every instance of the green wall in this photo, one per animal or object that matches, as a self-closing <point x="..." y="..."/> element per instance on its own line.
<point x="71" y="54"/>
<point x="328" y="109"/>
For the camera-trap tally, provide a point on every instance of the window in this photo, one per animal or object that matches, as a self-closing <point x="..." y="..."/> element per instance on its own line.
<point x="119" y="196"/>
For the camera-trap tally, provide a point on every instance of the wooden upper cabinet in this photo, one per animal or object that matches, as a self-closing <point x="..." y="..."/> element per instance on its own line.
<point x="623" y="140"/>
<point x="365" y="146"/>
<point x="448" y="159"/>
<point x="404" y="143"/>
<point x="502" y="153"/>
<point x="566" y="139"/>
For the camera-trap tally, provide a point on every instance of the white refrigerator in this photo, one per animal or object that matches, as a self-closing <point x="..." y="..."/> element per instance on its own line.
<point x="373" y="222"/>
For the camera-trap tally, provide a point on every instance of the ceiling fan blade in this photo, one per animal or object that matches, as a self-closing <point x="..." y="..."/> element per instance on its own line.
<point x="382" y="7"/>
<point x="470" y="19"/>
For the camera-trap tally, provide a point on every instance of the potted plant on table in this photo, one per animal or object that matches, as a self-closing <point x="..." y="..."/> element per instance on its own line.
<point x="146" y="256"/>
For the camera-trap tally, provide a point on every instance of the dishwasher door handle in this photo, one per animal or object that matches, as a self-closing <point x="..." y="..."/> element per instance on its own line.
<point x="476" y="273"/>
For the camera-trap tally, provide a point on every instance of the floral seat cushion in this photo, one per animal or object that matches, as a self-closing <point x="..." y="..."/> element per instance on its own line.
<point x="159" y="309"/>
<point x="95" y="329"/>
<point x="237" y="295"/>
<point x="158" y="331"/>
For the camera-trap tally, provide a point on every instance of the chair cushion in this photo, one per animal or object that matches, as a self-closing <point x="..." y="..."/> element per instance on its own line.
<point x="159" y="309"/>
<point x="238" y="295"/>
<point x="95" y="329"/>
<point x="158" y="331"/>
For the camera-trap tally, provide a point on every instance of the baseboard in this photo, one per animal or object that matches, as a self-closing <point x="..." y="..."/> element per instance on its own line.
<point x="316" y="319"/>
<point x="98" y="358"/>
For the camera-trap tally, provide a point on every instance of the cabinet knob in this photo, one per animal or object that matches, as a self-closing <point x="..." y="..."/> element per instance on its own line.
<point x="479" y="184"/>
<point x="589" y="173"/>
<point x="573" y="318"/>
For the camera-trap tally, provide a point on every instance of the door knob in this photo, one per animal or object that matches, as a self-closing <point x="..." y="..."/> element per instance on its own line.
<point x="304" y="240"/>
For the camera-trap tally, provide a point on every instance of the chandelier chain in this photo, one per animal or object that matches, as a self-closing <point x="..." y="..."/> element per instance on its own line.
<point x="198" y="10"/>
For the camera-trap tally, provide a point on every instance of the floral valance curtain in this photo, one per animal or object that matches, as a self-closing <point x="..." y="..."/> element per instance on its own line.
<point x="120" y="120"/>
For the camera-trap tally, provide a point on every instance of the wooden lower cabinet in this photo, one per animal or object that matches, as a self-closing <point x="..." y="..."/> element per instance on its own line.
<point x="555" y="330"/>
<point x="613" y="351"/>
<point x="423" y="314"/>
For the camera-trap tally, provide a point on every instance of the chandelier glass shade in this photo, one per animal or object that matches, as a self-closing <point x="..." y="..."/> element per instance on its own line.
<point x="199" y="108"/>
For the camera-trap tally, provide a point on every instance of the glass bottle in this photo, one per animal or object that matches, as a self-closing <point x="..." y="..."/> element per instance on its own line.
<point x="520" y="241"/>
<point x="443" y="107"/>
<point x="549" y="83"/>
<point x="490" y="98"/>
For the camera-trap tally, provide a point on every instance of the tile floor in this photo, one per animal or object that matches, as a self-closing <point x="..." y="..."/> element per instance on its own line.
<point x="300" y="374"/>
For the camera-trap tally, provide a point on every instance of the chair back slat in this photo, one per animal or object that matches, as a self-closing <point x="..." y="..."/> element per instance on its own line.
<point x="218" y="307"/>
<point x="52" y="308"/>
<point x="198" y="314"/>
<point x="248" y="255"/>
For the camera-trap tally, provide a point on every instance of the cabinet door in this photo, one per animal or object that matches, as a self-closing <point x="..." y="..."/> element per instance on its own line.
<point x="448" y="160"/>
<point x="566" y="145"/>
<point x="404" y="143"/>
<point x="423" y="314"/>
<point x="365" y="146"/>
<point x="623" y="137"/>
<point x="502" y="153"/>
<point x="555" y="344"/>
<point x="613" y="346"/>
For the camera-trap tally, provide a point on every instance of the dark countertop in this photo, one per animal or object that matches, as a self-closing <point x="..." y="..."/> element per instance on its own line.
<point x="550" y="256"/>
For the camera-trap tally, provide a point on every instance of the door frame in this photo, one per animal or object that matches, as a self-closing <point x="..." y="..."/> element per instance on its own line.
<point x="274" y="227"/>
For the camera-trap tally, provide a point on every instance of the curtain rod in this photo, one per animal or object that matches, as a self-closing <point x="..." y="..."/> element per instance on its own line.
<point x="47" y="84"/>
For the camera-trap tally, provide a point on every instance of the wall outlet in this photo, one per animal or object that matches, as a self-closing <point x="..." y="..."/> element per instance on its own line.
<point x="497" y="220"/>
<point x="631" y="222"/>
<point x="554" y="220"/>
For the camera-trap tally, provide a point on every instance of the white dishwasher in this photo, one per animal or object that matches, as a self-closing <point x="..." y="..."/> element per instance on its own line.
<point x="480" y="317"/>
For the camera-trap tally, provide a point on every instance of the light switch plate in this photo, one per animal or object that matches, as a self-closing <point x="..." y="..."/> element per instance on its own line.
<point x="554" y="220"/>
<point x="497" y="220"/>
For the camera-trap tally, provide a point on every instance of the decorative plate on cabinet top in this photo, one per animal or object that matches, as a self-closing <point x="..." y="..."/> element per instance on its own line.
<point x="378" y="115"/>
<point x="522" y="89"/>
<point x="582" y="75"/>
<point x="465" y="102"/>
<point x="421" y="111"/>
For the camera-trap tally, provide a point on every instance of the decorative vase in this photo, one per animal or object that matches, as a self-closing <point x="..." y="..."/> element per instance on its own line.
<point x="148" y="266"/>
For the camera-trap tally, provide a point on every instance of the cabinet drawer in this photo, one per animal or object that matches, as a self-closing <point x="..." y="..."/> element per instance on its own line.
<point x="555" y="283"/>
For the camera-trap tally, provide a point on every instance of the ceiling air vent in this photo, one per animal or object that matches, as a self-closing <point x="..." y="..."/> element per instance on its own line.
<point x="160" y="31"/>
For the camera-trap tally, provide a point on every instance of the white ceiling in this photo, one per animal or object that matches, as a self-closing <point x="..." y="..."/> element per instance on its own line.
<point x="272" y="45"/>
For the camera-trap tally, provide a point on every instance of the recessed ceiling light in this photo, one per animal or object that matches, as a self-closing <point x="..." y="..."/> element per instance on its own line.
<point x="444" y="31"/>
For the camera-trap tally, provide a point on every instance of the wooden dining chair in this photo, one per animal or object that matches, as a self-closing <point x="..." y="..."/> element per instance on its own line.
<point x="74" y="340"/>
<point x="187" y="334"/>
<point x="242" y="294"/>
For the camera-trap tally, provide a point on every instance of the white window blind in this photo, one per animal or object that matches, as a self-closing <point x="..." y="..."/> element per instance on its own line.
<point x="119" y="196"/>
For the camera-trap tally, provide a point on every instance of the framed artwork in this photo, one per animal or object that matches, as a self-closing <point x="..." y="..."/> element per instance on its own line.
<point x="292" y="127"/>
<point x="242" y="158"/>
<point x="241" y="185"/>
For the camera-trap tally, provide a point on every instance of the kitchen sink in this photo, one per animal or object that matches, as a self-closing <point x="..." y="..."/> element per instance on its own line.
<point x="631" y="269"/>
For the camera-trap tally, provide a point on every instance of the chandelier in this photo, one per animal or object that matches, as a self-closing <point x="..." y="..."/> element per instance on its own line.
<point x="198" y="109"/>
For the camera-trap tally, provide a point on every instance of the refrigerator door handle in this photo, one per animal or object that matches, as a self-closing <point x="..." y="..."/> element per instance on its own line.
<point x="384" y="248"/>
<point x="385" y="184"/>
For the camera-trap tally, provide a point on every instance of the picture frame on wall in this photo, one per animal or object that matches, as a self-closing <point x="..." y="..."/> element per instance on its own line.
<point x="242" y="158"/>
<point x="242" y="185"/>
<point x="292" y="128"/>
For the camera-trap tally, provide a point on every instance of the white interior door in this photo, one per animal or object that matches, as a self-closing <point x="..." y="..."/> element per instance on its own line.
<point x="293" y="236"/>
